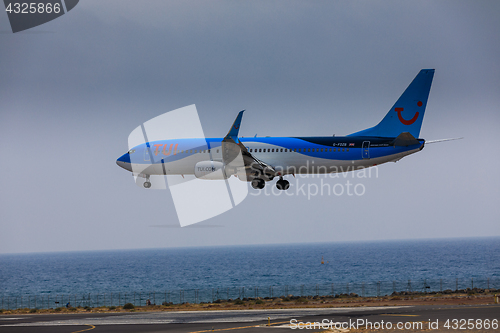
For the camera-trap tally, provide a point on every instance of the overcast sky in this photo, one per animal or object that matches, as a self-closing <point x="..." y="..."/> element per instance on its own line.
<point x="73" y="89"/>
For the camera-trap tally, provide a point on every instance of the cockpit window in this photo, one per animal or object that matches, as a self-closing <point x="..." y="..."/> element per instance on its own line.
<point x="131" y="151"/>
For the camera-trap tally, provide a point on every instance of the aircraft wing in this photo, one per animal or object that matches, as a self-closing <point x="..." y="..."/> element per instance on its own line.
<point x="232" y="148"/>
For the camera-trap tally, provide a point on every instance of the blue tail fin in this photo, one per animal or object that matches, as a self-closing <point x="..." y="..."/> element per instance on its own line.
<point x="407" y="113"/>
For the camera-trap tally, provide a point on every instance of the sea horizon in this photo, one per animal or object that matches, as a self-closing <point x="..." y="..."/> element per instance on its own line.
<point x="374" y="241"/>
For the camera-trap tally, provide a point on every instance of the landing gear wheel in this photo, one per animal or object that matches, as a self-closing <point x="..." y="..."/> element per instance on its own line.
<point x="258" y="183"/>
<point x="147" y="184"/>
<point x="283" y="185"/>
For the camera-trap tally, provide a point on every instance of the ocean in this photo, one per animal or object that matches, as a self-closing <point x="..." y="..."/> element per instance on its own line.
<point x="208" y="273"/>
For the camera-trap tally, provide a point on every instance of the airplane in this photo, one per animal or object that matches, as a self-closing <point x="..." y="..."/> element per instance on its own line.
<point x="261" y="159"/>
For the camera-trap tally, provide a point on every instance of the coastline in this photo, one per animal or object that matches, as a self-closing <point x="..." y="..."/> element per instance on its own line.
<point x="467" y="297"/>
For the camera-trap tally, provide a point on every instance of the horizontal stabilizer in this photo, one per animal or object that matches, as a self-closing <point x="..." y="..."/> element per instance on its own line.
<point x="442" y="140"/>
<point x="405" y="139"/>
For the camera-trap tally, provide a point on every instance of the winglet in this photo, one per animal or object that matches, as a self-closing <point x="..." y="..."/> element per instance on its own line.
<point x="234" y="130"/>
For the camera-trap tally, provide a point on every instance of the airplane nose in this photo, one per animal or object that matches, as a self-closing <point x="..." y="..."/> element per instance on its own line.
<point x="124" y="162"/>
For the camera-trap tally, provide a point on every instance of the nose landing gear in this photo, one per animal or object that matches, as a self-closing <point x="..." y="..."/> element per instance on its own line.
<point x="147" y="183"/>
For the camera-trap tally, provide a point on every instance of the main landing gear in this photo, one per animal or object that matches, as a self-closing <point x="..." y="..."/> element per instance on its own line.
<point x="258" y="183"/>
<point x="282" y="184"/>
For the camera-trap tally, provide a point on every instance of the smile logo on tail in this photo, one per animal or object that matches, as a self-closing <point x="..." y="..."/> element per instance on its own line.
<point x="404" y="121"/>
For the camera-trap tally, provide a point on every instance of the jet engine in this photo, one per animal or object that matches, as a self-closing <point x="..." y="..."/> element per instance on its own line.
<point x="211" y="170"/>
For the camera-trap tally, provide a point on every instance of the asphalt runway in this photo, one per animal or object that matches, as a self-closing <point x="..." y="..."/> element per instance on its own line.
<point x="249" y="321"/>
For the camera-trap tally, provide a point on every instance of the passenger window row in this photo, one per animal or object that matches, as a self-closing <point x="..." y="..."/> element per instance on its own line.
<point x="197" y="151"/>
<point x="276" y="150"/>
<point x="300" y="150"/>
